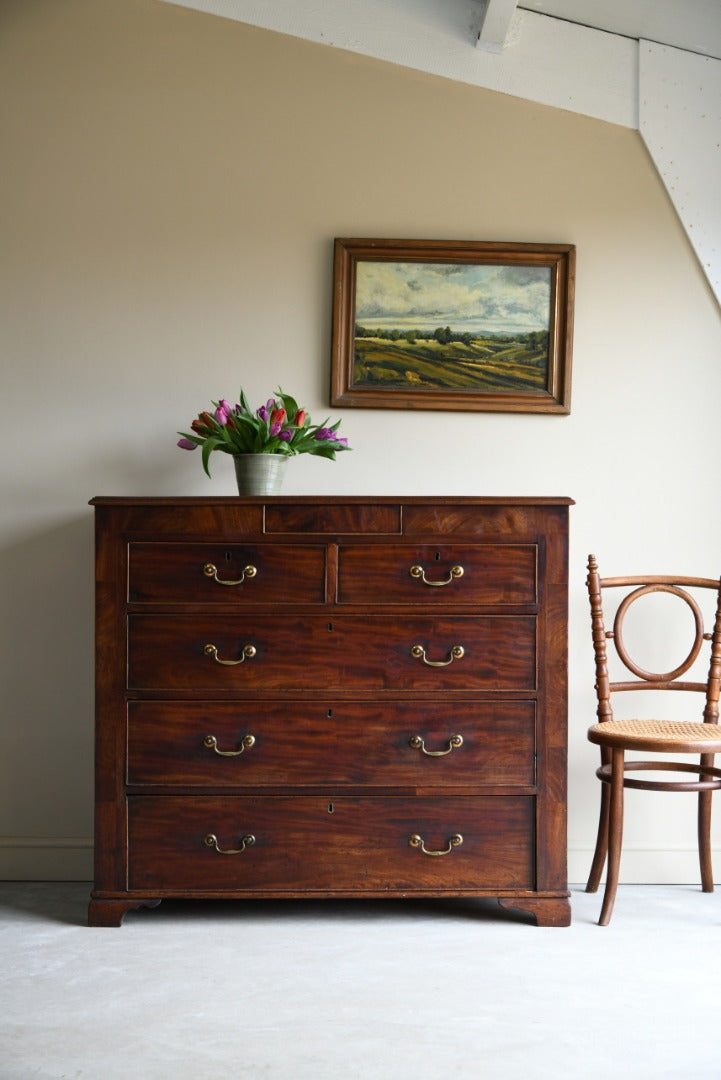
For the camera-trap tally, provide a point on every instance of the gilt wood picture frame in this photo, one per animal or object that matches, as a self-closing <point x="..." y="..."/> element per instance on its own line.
<point x="465" y="325"/>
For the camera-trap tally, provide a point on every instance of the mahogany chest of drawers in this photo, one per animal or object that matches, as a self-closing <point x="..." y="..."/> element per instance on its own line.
<point x="331" y="697"/>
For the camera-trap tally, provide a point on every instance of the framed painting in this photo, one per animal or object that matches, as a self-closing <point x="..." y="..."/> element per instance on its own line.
<point x="466" y="325"/>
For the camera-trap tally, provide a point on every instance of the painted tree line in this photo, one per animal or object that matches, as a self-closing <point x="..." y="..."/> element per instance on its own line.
<point x="534" y="339"/>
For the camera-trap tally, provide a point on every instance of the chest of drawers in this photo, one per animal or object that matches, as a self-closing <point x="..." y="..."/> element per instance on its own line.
<point x="331" y="697"/>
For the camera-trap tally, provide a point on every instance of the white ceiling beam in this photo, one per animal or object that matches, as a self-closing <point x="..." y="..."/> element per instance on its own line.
<point x="678" y="120"/>
<point x="495" y="24"/>
<point x="552" y="62"/>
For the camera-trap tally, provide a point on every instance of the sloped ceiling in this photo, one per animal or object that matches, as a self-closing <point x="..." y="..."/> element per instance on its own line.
<point x="652" y="65"/>
<point x="692" y="25"/>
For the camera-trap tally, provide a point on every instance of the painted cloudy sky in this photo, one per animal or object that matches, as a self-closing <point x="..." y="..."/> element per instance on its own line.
<point x="420" y="296"/>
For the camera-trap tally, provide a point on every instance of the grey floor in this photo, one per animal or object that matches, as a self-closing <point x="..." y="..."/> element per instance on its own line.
<point x="387" y="990"/>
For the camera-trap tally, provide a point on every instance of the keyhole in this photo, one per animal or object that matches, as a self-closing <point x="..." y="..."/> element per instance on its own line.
<point x="330" y="627"/>
<point x="438" y="556"/>
<point x="330" y="808"/>
<point x="329" y="714"/>
<point x="228" y="556"/>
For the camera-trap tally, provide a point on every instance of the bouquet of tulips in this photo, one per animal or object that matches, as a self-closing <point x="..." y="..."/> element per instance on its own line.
<point x="278" y="427"/>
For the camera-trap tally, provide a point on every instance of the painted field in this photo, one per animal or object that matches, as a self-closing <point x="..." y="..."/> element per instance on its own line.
<point x="483" y="365"/>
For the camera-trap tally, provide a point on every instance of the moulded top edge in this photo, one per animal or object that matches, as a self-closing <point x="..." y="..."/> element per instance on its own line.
<point x="381" y="500"/>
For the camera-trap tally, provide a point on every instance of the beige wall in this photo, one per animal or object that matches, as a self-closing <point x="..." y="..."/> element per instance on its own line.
<point x="171" y="186"/>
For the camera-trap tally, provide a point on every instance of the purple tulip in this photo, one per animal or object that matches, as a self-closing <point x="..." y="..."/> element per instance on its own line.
<point x="274" y="429"/>
<point x="225" y="405"/>
<point x="221" y="416"/>
<point x="187" y="444"/>
<point x="324" y="433"/>
<point x="262" y="412"/>
<point x="286" y="435"/>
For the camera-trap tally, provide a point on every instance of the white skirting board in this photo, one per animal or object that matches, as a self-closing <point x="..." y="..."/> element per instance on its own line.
<point x="46" y="858"/>
<point x="646" y="865"/>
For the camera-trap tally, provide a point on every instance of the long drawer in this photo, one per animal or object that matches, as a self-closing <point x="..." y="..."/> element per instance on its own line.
<point x="252" y="744"/>
<point x="235" y="652"/>
<point x="452" y="575"/>
<point x="329" y="844"/>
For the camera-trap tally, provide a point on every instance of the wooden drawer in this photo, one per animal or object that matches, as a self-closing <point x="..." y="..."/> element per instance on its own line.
<point x="343" y="743"/>
<point x="328" y="844"/>
<point x="176" y="573"/>
<point x="343" y="652"/>
<point x="287" y="517"/>
<point x="429" y="574"/>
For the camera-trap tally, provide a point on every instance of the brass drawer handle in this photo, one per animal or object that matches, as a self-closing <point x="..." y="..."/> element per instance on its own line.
<point x="417" y="841"/>
<point x="419" y="744"/>
<point x="419" y="653"/>
<point x="211" y="840"/>
<point x="453" y="575"/>
<point x="211" y="570"/>
<point x="248" y="652"/>
<point x="211" y="743"/>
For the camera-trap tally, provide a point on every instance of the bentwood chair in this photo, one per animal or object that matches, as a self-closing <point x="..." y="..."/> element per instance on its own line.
<point x="654" y="736"/>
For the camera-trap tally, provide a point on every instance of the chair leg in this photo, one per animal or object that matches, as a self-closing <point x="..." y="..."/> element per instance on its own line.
<point x="615" y="834"/>
<point x="599" y="855"/>
<point x="704" y="833"/>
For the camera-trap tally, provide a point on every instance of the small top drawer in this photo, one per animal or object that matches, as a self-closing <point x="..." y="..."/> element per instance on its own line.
<point x="451" y="575"/>
<point x="243" y="574"/>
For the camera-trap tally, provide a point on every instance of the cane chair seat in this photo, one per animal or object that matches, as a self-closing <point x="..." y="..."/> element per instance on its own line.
<point x="658" y="736"/>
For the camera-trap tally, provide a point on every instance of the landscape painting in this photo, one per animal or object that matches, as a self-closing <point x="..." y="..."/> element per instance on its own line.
<point x="464" y="325"/>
